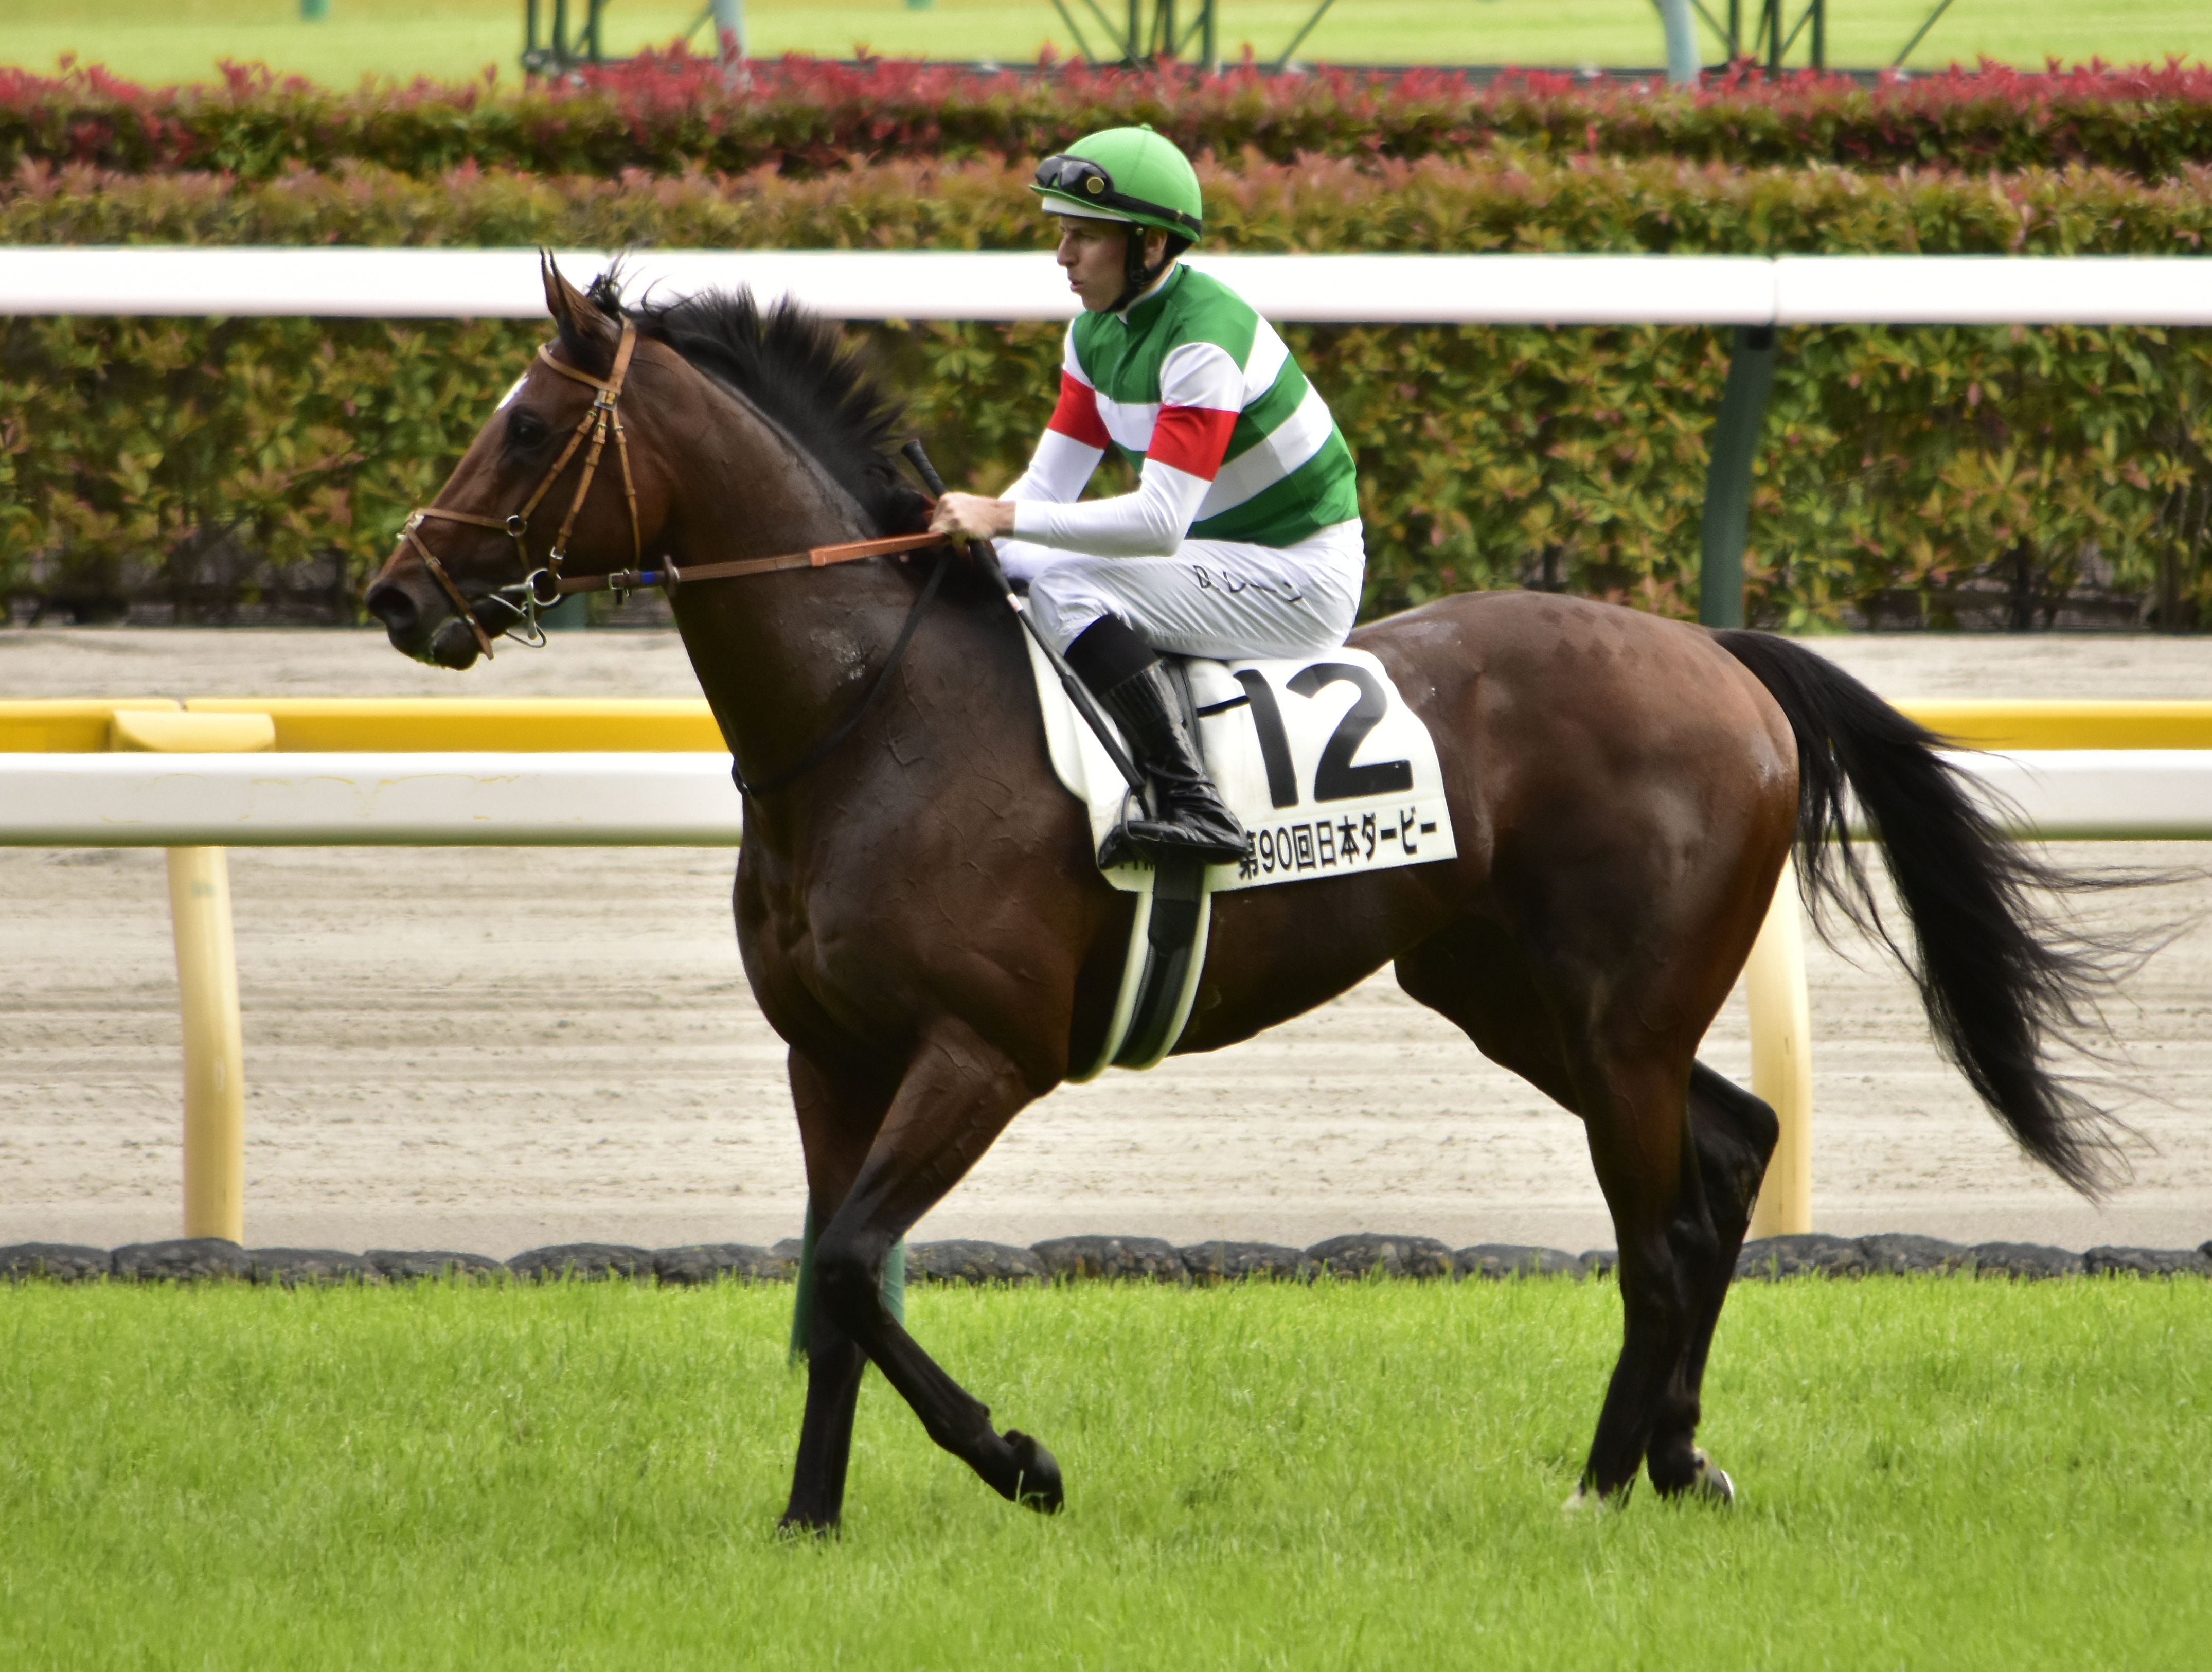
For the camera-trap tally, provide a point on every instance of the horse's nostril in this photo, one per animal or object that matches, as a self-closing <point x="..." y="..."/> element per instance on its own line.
<point x="392" y="605"/>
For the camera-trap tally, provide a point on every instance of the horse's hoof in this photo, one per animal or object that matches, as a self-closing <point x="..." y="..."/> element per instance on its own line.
<point x="796" y="1528"/>
<point x="1710" y="1482"/>
<point x="1583" y="1502"/>
<point x="1036" y="1476"/>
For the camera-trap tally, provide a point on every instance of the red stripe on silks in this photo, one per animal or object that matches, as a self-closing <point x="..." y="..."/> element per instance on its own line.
<point x="1192" y="439"/>
<point x="1077" y="415"/>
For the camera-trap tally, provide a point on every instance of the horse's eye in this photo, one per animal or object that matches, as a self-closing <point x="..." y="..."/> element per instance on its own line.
<point x="526" y="431"/>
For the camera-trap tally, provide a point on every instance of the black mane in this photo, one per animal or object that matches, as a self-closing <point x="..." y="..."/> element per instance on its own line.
<point x="795" y="365"/>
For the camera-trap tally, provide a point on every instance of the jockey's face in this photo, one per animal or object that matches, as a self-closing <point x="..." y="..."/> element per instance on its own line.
<point x="1094" y="254"/>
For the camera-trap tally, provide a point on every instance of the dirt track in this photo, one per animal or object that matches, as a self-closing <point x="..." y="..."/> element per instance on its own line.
<point x="482" y="1050"/>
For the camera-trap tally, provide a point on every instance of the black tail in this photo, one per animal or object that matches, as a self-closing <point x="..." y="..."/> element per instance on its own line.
<point x="2002" y="981"/>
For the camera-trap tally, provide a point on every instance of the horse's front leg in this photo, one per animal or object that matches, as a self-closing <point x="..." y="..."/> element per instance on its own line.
<point x="959" y="1094"/>
<point x="838" y="1120"/>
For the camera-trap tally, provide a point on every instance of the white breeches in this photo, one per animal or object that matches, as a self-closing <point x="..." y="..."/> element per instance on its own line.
<point x="1213" y="598"/>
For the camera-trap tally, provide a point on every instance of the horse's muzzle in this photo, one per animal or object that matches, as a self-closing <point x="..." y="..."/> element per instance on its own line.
<point x="448" y="643"/>
<point x="453" y="645"/>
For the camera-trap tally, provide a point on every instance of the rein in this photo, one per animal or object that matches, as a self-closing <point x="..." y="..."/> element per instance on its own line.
<point x="814" y="557"/>
<point x="540" y="589"/>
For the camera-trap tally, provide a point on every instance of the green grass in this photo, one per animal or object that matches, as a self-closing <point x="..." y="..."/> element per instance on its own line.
<point x="170" y="41"/>
<point x="1933" y="1474"/>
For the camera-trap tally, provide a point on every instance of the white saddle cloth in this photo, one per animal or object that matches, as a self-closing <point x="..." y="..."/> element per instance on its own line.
<point x="1319" y="757"/>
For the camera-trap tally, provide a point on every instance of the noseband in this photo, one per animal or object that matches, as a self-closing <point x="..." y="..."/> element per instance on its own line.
<point x="539" y="589"/>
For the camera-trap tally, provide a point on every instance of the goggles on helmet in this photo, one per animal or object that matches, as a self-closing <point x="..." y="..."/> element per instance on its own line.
<point x="1087" y="182"/>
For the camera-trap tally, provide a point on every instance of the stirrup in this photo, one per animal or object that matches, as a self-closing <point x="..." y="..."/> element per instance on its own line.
<point x="1131" y="839"/>
<point x="1118" y="850"/>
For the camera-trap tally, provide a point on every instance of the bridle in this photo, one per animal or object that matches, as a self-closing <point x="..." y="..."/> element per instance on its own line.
<point x="541" y="588"/>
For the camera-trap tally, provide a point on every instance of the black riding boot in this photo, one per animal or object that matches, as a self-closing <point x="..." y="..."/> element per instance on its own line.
<point x="1192" y="821"/>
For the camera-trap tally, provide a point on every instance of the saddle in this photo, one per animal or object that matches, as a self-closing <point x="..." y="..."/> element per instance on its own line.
<point x="1321" y="760"/>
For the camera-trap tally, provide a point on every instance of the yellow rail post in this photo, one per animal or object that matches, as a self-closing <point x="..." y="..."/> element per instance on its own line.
<point x="207" y="980"/>
<point x="215" y="1046"/>
<point x="1782" y="1059"/>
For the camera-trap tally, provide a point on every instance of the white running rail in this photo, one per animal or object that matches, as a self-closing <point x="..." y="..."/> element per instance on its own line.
<point x="687" y="801"/>
<point x="416" y="799"/>
<point x="971" y="284"/>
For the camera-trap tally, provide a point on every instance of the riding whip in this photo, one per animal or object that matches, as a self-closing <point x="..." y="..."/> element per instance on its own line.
<point x="1078" y="693"/>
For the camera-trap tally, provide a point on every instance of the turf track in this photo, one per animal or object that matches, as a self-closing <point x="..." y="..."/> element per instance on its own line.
<point x="1968" y="1475"/>
<point x="163" y="41"/>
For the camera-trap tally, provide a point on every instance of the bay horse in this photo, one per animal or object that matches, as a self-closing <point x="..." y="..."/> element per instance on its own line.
<point x="923" y="923"/>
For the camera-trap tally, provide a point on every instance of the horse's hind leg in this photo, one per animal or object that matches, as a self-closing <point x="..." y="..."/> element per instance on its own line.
<point x="1634" y="1116"/>
<point x="1733" y="1135"/>
<point x="837" y="1123"/>
<point x="1631" y="1090"/>
<point x="957" y="1097"/>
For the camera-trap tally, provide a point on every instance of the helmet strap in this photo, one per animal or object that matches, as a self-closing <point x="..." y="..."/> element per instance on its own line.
<point x="1136" y="277"/>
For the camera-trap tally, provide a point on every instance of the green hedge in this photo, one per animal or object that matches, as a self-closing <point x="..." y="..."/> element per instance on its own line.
<point x="1904" y="469"/>
<point x="1909" y="473"/>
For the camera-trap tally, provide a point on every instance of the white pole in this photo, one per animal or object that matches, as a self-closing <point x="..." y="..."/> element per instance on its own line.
<point x="1355" y="289"/>
<point x="1681" y="42"/>
<point x="729" y="28"/>
<point x="1782" y="1060"/>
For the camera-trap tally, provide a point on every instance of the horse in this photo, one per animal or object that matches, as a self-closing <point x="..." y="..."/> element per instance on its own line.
<point x="923" y="922"/>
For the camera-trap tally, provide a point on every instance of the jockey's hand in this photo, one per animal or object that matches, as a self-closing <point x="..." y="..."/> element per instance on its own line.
<point x="972" y="517"/>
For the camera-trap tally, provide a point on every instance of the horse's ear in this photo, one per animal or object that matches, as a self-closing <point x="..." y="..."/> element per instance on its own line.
<point x="589" y="335"/>
<point x="561" y="297"/>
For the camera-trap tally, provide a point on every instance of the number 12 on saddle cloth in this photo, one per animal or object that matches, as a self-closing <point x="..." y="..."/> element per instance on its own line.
<point x="1318" y="756"/>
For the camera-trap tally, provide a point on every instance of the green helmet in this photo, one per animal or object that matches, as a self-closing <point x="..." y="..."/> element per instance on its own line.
<point x="1125" y="174"/>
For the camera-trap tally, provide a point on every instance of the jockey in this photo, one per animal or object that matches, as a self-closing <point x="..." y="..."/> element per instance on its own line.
<point x="1242" y="538"/>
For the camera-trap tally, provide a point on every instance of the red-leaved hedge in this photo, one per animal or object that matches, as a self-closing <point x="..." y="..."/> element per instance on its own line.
<point x="676" y="114"/>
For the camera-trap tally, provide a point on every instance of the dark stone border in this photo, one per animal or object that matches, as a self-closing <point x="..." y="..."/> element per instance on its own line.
<point x="1071" y="1259"/>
